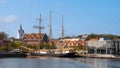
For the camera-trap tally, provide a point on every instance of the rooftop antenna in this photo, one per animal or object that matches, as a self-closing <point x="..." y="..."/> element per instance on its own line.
<point x="39" y="27"/>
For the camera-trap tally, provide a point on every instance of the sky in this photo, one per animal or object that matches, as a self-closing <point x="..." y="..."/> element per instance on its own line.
<point x="80" y="16"/>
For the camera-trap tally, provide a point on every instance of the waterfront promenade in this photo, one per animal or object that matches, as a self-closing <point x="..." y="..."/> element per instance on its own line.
<point x="108" y="56"/>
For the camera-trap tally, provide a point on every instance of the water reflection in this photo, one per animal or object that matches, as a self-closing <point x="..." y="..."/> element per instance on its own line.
<point x="58" y="63"/>
<point x="99" y="63"/>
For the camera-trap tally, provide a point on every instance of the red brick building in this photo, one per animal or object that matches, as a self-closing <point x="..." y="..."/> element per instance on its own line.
<point x="35" y="39"/>
<point x="3" y="40"/>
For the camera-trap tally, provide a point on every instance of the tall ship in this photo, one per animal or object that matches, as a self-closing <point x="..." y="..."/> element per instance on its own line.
<point x="60" y="51"/>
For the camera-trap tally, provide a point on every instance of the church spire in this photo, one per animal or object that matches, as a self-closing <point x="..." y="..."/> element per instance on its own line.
<point x="20" y="27"/>
<point x="21" y="32"/>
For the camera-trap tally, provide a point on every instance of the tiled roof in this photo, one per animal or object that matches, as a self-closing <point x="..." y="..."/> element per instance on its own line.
<point x="33" y="36"/>
<point x="93" y="39"/>
<point x="80" y="42"/>
<point x="55" y="41"/>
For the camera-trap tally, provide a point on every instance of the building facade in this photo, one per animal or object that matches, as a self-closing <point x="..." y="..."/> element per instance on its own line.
<point x="36" y="39"/>
<point x="4" y="43"/>
<point x="72" y="42"/>
<point x="3" y="40"/>
<point x="116" y="44"/>
<point x="100" y="45"/>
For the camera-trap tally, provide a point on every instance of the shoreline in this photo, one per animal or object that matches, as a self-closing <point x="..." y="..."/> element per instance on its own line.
<point x="103" y="56"/>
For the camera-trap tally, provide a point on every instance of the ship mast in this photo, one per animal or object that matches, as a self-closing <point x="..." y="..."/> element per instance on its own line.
<point x="39" y="27"/>
<point x="50" y="34"/>
<point x="62" y="33"/>
<point x="62" y="27"/>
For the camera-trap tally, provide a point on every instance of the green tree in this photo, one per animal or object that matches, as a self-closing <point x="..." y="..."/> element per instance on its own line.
<point x="4" y="35"/>
<point x="2" y="48"/>
<point x="52" y="46"/>
<point x="19" y="44"/>
<point x="103" y="35"/>
<point x="44" y="46"/>
<point x="47" y="46"/>
<point x="79" y="47"/>
<point x="79" y="36"/>
<point x="13" y="45"/>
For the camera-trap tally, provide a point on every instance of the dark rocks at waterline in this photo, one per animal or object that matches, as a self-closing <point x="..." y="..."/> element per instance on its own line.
<point x="14" y="55"/>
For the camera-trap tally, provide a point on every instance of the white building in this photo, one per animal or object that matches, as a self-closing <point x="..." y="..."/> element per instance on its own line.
<point x="71" y="39"/>
<point x="101" y="45"/>
<point x="116" y="44"/>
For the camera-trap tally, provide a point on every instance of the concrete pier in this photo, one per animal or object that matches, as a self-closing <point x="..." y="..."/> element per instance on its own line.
<point x="106" y="56"/>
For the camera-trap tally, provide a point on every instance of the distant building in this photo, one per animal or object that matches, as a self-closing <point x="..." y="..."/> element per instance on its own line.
<point x="73" y="42"/>
<point x="84" y="37"/>
<point x="35" y="38"/>
<point x="71" y="39"/>
<point x="15" y="40"/>
<point x="55" y="42"/>
<point x="100" y="45"/>
<point x="116" y="44"/>
<point x="4" y="41"/>
<point x="21" y="33"/>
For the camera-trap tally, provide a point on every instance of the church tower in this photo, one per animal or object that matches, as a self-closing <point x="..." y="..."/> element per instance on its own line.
<point x="20" y="33"/>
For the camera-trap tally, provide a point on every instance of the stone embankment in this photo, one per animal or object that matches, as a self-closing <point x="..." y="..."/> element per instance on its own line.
<point x="107" y="56"/>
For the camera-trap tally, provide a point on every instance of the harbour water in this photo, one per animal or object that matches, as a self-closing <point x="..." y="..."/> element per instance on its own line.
<point x="48" y="62"/>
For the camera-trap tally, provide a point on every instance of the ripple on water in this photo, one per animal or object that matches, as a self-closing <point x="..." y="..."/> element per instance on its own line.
<point x="58" y="63"/>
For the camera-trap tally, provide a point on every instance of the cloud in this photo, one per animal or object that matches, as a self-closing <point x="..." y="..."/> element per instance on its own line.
<point x="8" y="19"/>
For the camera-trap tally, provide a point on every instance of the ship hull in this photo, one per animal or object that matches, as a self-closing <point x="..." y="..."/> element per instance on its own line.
<point x="71" y="54"/>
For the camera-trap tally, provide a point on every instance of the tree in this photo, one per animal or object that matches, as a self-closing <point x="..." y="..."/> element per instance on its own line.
<point x="47" y="46"/>
<point x="79" y="36"/>
<point x="53" y="46"/>
<point x="2" y="48"/>
<point x="19" y="44"/>
<point x="4" y="35"/>
<point x="79" y="47"/>
<point x="13" y="45"/>
<point x="44" y="46"/>
<point x="103" y="35"/>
